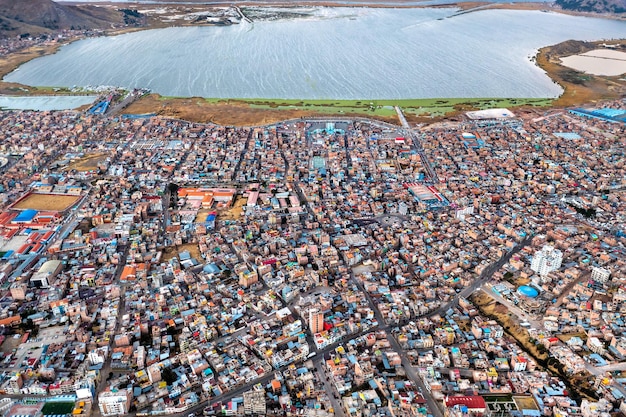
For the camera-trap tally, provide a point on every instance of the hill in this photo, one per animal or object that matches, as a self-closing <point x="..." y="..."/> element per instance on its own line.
<point x="35" y="17"/>
<point x="594" y="6"/>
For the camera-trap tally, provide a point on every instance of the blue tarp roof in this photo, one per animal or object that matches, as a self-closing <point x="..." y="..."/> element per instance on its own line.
<point x="26" y="215"/>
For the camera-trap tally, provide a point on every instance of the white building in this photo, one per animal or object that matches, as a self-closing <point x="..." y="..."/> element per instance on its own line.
<point x="116" y="402"/>
<point x="546" y="260"/>
<point x="462" y="213"/>
<point x="600" y="274"/>
<point x="595" y="345"/>
<point x="98" y="356"/>
<point x="45" y="276"/>
<point x="254" y="402"/>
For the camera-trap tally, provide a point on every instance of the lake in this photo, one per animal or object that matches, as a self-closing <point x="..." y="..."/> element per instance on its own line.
<point x="44" y="103"/>
<point x="332" y="53"/>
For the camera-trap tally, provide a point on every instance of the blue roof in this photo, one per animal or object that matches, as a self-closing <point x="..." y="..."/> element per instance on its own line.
<point x="567" y="135"/>
<point x="26" y="216"/>
<point x="528" y="291"/>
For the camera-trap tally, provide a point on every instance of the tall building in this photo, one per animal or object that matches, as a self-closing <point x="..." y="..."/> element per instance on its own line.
<point x="546" y="260"/>
<point x="254" y="403"/>
<point x="600" y="274"/>
<point x="15" y="384"/>
<point x="18" y="290"/>
<point x="115" y="402"/>
<point x="154" y="373"/>
<point x="316" y="320"/>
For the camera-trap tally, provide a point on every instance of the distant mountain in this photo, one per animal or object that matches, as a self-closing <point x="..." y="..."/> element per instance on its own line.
<point x="594" y="6"/>
<point x="35" y="17"/>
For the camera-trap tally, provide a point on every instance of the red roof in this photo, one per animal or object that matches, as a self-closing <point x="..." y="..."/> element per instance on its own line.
<point x="470" y="401"/>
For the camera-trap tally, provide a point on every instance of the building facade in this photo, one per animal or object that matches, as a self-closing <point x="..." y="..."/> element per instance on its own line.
<point x="113" y="403"/>
<point x="600" y="274"/>
<point x="546" y="260"/>
<point x="316" y="321"/>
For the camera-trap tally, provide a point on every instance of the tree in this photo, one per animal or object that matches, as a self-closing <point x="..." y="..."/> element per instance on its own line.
<point x="172" y="187"/>
<point x="169" y="376"/>
<point x="145" y="339"/>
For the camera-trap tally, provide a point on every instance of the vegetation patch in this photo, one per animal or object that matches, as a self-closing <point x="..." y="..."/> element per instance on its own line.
<point x="253" y="112"/>
<point x="494" y="310"/>
<point x="57" y="408"/>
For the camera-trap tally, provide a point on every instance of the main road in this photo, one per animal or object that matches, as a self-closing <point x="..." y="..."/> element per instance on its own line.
<point x="265" y="379"/>
<point x="485" y="276"/>
<point x="433" y="406"/>
<point x="417" y="146"/>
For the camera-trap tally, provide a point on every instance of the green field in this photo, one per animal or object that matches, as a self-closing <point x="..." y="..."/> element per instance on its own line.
<point x="416" y="107"/>
<point x="56" y="408"/>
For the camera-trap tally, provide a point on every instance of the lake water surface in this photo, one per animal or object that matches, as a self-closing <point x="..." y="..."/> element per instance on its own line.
<point x="44" y="103"/>
<point x="337" y="53"/>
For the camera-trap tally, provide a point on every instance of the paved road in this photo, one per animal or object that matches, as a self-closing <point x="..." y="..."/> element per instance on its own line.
<point x="243" y="16"/>
<point x="416" y="144"/>
<point x="483" y="278"/>
<point x="602" y="370"/>
<point x="126" y="101"/>
<point x="569" y="287"/>
<point x="264" y="380"/>
<point x="121" y="311"/>
<point x="243" y="153"/>
<point x="330" y="389"/>
<point x="302" y="197"/>
<point x="433" y="406"/>
<point x="488" y="289"/>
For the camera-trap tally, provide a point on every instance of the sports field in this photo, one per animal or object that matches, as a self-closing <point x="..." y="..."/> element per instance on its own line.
<point x="47" y="202"/>
<point x="57" y="408"/>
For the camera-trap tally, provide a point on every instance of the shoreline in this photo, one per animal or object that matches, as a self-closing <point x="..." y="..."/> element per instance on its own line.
<point x="546" y="58"/>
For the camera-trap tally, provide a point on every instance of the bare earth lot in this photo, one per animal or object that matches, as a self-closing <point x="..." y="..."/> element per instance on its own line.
<point x="87" y="163"/>
<point x="47" y="202"/>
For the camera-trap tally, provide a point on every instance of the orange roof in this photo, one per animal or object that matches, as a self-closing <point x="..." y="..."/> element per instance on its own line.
<point x="275" y="384"/>
<point x="10" y="320"/>
<point x="129" y="273"/>
<point x="57" y="303"/>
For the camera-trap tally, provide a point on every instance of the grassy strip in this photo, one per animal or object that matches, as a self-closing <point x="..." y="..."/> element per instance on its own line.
<point x="248" y="112"/>
<point x="490" y="308"/>
<point x="578" y="385"/>
<point x="429" y="107"/>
